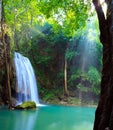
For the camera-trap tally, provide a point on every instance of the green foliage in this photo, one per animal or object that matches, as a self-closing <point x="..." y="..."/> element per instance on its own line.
<point x="48" y="31"/>
<point x="48" y="96"/>
<point x="70" y="54"/>
<point x="82" y="88"/>
<point x="93" y="76"/>
<point x="77" y="74"/>
<point x="86" y="81"/>
<point x="66" y="15"/>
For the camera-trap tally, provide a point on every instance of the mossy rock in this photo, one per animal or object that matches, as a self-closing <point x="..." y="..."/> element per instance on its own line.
<point x="27" y="105"/>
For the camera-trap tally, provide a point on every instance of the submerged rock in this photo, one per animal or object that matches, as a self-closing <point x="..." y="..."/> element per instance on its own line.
<point x="26" y="105"/>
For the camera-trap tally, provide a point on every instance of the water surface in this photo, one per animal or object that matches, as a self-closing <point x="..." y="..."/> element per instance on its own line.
<point x="48" y="118"/>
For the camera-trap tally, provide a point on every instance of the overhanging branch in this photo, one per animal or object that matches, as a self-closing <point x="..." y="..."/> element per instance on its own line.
<point x="101" y="18"/>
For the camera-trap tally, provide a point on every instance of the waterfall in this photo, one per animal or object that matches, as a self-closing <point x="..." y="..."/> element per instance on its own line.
<point x="25" y="80"/>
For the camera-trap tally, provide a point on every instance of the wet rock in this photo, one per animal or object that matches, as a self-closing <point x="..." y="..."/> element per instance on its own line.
<point x="26" y="105"/>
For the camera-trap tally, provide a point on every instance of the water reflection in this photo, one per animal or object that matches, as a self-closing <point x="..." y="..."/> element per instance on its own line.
<point x="25" y="120"/>
<point x="48" y="118"/>
<point x="65" y="118"/>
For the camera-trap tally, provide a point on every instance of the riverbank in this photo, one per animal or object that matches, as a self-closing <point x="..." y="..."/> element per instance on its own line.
<point x="64" y="100"/>
<point x="69" y="101"/>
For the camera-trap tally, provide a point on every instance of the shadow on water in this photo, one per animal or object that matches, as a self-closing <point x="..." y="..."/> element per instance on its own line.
<point x="48" y="118"/>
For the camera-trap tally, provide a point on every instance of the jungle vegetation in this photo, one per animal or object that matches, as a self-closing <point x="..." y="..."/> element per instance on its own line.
<point x="61" y="39"/>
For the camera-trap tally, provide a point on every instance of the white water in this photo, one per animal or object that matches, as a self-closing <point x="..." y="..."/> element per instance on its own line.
<point x="25" y="80"/>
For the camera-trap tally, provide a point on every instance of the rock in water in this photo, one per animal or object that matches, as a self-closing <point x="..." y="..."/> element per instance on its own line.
<point x="27" y="105"/>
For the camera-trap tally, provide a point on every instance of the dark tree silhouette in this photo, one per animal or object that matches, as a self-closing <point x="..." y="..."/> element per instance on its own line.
<point x="104" y="111"/>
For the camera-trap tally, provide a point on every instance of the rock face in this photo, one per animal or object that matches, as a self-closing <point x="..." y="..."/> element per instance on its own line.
<point x="26" y="105"/>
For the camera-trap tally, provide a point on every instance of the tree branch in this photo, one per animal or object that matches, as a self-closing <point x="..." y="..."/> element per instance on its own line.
<point x="101" y="18"/>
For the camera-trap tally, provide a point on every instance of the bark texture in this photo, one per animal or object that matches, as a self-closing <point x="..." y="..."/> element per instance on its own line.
<point x="4" y="53"/>
<point x="104" y="111"/>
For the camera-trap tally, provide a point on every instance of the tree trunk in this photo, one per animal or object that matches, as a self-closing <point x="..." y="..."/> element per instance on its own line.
<point x="104" y="114"/>
<point x="65" y="78"/>
<point x="5" y="48"/>
<point x="7" y="69"/>
<point x="80" y="97"/>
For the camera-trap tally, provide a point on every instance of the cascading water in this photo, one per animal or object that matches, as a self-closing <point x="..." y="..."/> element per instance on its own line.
<point x="25" y="79"/>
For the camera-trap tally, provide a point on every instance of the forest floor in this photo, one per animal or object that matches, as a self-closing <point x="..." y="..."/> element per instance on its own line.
<point x="69" y="101"/>
<point x="73" y="99"/>
<point x="58" y="98"/>
<point x="65" y="101"/>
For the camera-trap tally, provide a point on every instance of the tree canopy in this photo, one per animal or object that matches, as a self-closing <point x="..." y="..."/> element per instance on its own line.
<point x="64" y="15"/>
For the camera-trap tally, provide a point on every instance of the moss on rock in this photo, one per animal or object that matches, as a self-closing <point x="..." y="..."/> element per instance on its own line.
<point x="27" y="105"/>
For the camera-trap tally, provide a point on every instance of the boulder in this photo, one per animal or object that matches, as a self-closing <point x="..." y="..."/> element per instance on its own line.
<point x="26" y="105"/>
